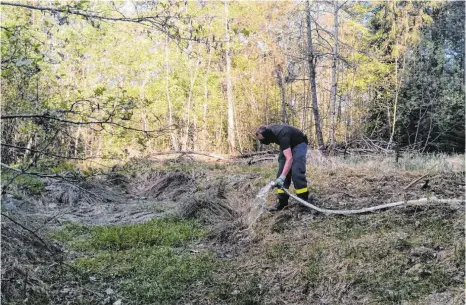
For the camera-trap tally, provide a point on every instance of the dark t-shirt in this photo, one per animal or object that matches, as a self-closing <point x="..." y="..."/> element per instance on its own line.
<point x="286" y="136"/>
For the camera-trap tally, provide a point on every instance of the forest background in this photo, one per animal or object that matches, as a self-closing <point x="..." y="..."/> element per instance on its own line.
<point x="118" y="79"/>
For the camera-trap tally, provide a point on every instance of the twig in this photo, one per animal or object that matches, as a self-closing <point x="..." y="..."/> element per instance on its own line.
<point x="42" y="175"/>
<point x="98" y="122"/>
<point x="30" y="231"/>
<point x="49" y="154"/>
<point x="415" y="181"/>
<point x="159" y="21"/>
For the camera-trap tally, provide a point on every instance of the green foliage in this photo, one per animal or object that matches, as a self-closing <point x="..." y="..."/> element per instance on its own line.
<point x="148" y="275"/>
<point x="33" y="185"/>
<point x="169" y="232"/>
<point x="150" y="264"/>
<point x="23" y="184"/>
<point x="432" y="96"/>
<point x="52" y="63"/>
<point x="70" y="232"/>
<point x="147" y="263"/>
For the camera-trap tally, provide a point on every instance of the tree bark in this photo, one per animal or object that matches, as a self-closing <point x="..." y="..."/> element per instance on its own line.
<point x="174" y="142"/>
<point x="206" y="97"/>
<point x="231" y="122"/>
<point x="333" y="97"/>
<point x="311" y="60"/>
<point x="281" y="85"/>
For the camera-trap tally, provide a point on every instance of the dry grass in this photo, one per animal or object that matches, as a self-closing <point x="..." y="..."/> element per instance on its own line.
<point x="408" y="162"/>
<point x="406" y="255"/>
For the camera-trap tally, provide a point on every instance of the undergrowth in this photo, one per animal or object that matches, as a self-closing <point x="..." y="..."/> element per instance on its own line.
<point x="397" y="256"/>
<point x="170" y="232"/>
<point x="153" y="263"/>
<point x="392" y="257"/>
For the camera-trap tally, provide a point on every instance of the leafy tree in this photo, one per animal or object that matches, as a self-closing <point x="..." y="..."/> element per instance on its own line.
<point x="432" y="96"/>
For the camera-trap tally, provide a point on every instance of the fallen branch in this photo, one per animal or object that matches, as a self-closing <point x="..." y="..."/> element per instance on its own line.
<point x="252" y="154"/>
<point x="106" y="121"/>
<point x="252" y="161"/>
<point x="49" y="154"/>
<point x="415" y="181"/>
<point x="33" y="173"/>
<point x="186" y="152"/>
<point x="33" y="233"/>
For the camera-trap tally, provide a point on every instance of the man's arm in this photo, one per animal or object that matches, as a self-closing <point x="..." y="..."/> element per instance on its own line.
<point x="289" y="160"/>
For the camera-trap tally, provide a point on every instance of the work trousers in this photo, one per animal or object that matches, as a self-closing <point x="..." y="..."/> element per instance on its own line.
<point x="297" y="174"/>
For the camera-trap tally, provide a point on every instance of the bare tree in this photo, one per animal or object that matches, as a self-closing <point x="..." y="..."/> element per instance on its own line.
<point x="333" y="93"/>
<point x="167" y="89"/>
<point x="229" y="85"/>
<point x="312" y="62"/>
<point x="281" y="85"/>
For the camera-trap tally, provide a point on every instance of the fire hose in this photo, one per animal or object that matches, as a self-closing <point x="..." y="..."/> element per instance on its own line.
<point x="374" y="208"/>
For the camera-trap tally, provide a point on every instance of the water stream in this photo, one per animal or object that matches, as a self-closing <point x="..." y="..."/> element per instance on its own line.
<point x="258" y="205"/>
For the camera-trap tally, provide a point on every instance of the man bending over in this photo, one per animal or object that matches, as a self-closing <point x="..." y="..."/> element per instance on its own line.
<point x="291" y="160"/>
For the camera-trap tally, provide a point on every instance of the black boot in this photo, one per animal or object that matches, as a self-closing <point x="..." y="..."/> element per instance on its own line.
<point x="309" y="198"/>
<point x="281" y="203"/>
<point x="304" y="196"/>
<point x="301" y="207"/>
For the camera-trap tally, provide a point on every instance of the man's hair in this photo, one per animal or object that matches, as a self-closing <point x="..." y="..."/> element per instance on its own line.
<point x="260" y="130"/>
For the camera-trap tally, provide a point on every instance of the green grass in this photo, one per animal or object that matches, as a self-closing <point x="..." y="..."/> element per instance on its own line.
<point x="146" y="263"/>
<point x="314" y="267"/>
<point x="280" y="251"/>
<point x="435" y="162"/>
<point x="151" y="263"/>
<point x="391" y="281"/>
<point x="170" y="232"/>
<point x="150" y="275"/>
<point x="244" y="292"/>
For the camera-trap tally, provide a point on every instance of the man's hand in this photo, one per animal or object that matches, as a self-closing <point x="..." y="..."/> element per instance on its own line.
<point x="280" y="181"/>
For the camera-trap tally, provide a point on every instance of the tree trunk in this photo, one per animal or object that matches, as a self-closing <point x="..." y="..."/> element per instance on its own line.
<point x="333" y="97"/>
<point x="174" y="142"/>
<point x="76" y="142"/>
<point x="398" y="75"/>
<point x="311" y="60"/>
<point x="281" y="85"/>
<point x="192" y="80"/>
<point x="206" y="96"/>
<point x="231" y="122"/>
<point x="304" y="116"/>
<point x="29" y="147"/>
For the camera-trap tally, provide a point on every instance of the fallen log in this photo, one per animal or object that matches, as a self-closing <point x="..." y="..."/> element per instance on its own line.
<point x="252" y="161"/>
<point x="189" y="152"/>
<point x="257" y="153"/>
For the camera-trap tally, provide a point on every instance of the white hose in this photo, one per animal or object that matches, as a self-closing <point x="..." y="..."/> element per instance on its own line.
<point x="375" y="208"/>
